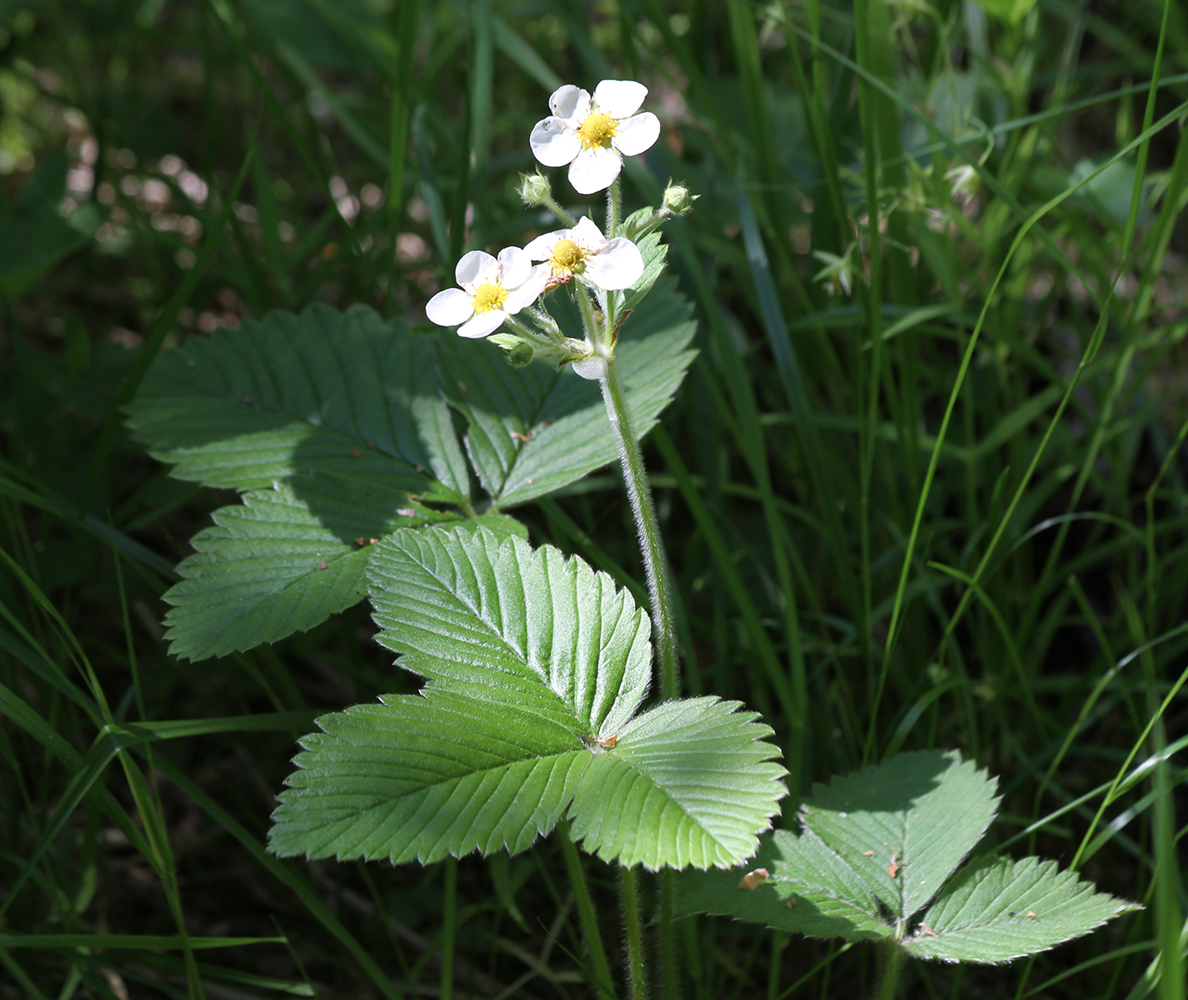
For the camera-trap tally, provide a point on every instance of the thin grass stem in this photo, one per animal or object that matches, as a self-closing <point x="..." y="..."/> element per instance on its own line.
<point x="586" y="913"/>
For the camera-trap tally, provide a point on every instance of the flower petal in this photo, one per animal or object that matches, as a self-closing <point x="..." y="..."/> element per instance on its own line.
<point x="541" y="248"/>
<point x="553" y="142"/>
<point x="618" y="266"/>
<point x="619" y="98"/>
<point x="587" y="235"/>
<point x="517" y="266"/>
<point x="475" y="266"/>
<point x="568" y="100"/>
<point x="594" y="170"/>
<point x="593" y="367"/>
<point x="483" y="324"/>
<point x="449" y="308"/>
<point x="528" y="292"/>
<point x="636" y="134"/>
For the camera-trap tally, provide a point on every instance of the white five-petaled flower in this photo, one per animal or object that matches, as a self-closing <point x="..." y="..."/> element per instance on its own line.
<point x="585" y="252"/>
<point x="593" y="134"/>
<point x="491" y="290"/>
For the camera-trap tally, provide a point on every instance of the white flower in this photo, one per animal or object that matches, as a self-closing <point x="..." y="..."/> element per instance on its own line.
<point x="593" y="134"/>
<point x="491" y="291"/>
<point x="585" y="252"/>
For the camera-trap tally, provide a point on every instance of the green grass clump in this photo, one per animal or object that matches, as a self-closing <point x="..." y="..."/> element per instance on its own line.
<point x="923" y="488"/>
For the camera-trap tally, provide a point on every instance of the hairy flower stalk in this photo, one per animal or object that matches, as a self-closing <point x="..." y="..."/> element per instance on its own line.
<point x="591" y="133"/>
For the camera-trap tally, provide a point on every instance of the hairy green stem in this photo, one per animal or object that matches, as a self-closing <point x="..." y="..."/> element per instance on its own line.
<point x="551" y="204"/>
<point x="892" y="968"/>
<point x="586" y="914"/>
<point x="613" y="201"/>
<point x="635" y="965"/>
<point x="639" y="492"/>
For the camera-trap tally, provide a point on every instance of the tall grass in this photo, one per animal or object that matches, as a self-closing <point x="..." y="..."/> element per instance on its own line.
<point x="939" y="503"/>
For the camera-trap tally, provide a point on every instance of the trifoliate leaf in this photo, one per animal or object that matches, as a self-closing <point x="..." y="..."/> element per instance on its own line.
<point x="536" y="666"/>
<point x="911" y="820"/>
<point x="904" y="825"/>
<point x="533" y="430"/>
<point x="341" y="393"/>
<point x="996" y="909"/>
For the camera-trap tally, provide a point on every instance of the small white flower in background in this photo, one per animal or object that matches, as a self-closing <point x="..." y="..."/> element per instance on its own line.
<point x="583" y="251"/>
<point x="965" y="182"/>
<point x="838" y="272"/>
<point x="491" y="290"/>
<point x="593" y="134"/>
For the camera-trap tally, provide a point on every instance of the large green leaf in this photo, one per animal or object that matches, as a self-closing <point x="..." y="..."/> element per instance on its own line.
<point x="536" y="666"/>
<point x="423" y="777"/>
<point x="875" y="847"/>
<point x="282" y="562"/>
<point x="996" y="909"/>
<point x="325" y="391"/>
<point x="533" y="430"/>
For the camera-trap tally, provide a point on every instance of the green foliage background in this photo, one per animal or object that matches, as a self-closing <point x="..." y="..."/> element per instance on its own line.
<point x="1015" y="589"/>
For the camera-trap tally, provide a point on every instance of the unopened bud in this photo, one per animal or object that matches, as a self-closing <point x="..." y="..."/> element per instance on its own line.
<point x="535" y="189"/>
<point x="521" y="355"/>
<point x="519" y="351"/>
<point x="677" y="199"/>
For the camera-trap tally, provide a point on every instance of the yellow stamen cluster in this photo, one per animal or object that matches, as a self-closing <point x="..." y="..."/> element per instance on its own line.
<point x="489" y="296"/>
<point x="597" y="130"/>
<point x="567" y="257"/>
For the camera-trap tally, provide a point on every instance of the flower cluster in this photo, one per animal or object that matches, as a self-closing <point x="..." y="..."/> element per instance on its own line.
<point x="591" y="133"/>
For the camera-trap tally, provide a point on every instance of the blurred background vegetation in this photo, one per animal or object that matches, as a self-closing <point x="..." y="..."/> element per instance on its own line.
<point x="1016" y="590"/>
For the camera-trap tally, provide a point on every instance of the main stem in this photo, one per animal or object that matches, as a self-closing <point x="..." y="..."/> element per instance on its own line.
<point x="639" y="492"/>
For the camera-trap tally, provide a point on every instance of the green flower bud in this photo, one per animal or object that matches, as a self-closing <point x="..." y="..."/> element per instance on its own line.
<point x="519" y="351"/>
<point x="535" y="189"/>
<point x="677" y="199"/>
<point x="520" y="355"/>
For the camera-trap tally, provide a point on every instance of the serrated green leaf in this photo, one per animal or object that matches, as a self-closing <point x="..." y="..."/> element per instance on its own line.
<point x="324" y="391"/>
<point x="535" y="666"/>
<point x="807" y="890"/>
<point x="283" y="562"/>
<point x="480" y="609"/>
<point x="688" y="783"/>
<point x="996" y="909"/>
<point x="654" y="255"/>
<point x="533" y="430"/>
<point x="422" y="777"/>
<point x="904" y="825"/>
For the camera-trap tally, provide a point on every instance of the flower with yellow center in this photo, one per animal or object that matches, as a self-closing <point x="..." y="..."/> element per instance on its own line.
<point x="491" y="290"/>
<point x="567" y="258"/>
<point x="583" y="252"/>
<point x="593" y="133"/>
